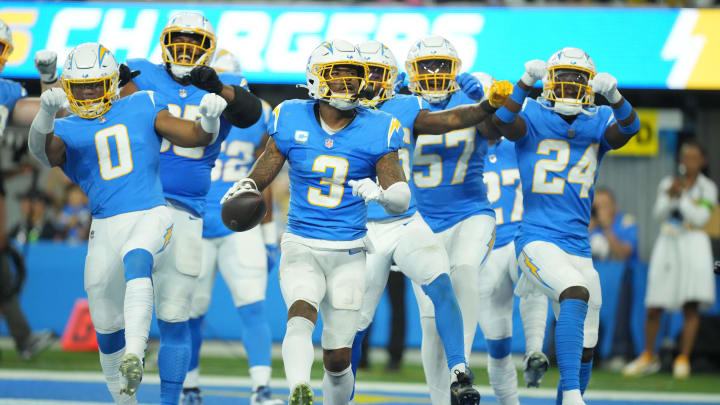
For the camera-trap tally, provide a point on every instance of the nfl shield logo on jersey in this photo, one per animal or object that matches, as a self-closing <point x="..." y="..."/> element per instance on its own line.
<point x="328" y="143"/>
<point x="183" y="93"/>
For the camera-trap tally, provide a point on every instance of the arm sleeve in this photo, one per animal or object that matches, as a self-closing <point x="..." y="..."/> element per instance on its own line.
<point x="698" y="212"/>
<point x="664" y="204"/>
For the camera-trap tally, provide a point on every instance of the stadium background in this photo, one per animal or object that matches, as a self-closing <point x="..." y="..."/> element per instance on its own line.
<point x="665" y="61"/>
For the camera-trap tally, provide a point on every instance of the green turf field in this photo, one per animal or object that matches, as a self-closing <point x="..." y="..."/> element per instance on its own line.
<point x="601" y="380"/>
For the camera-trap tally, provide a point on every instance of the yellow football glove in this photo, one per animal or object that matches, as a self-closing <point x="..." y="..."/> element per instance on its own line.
<point x="499" y="93"/>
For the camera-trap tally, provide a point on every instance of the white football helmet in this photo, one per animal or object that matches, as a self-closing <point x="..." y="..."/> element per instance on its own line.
<point x="188" y="40"/>
<point x="382" y="70"/>
<point x="225" y="61"/>
<point x="566" y="81"/>
<point x="89" y="67"/>
<point x="432" y="64"/>
<point x="6" y="43"/>
<point x="323" y="81"/>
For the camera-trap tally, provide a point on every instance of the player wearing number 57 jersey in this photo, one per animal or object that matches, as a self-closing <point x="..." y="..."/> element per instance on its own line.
<point x="560" y="140"/>
<point x="334" y="149"/>
<point x="110" y="149"/>
<point x="187" y="43"/>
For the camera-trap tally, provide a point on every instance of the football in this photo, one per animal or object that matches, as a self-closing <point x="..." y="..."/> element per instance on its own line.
<point x="244" y="210"/>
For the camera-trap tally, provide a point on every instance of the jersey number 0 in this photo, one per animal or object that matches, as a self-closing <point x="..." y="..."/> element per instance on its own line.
<point x="113" y="150"/>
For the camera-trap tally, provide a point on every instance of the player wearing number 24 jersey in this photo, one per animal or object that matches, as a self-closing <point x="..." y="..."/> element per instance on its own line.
<point x="110" y="149"/>
<point x="560" y="140"/>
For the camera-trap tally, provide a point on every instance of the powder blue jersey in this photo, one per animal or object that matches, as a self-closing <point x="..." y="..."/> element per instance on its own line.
<point x="10" y="93"/>
<point x="504" y="191"/>
<point x="447" y="173"/>
<point x="114" y="158"/>
<point x="184" y="172"/>
<point x="237" y="155"/>
<point x="405" y="108"/>
<point x="321" y="202"/>
<point x="558" y="166"/>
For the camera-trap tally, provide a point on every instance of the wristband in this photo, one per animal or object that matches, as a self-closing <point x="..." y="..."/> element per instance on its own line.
<point x="519" y="94"/>
<point x="623" y="112"/>
<point x="505" y="115"/>
<point x="631" y="129"/>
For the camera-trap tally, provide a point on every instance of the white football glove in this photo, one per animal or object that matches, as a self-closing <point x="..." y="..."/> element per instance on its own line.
<point x="534" y="71"/>
<point x="211" y="106"/>
<point x="366" y="189"/>
<point x="606" y="84"/>
<point x="240" y="185"/>
<point x="46" y="65"/>
<point x="52" y="100"/>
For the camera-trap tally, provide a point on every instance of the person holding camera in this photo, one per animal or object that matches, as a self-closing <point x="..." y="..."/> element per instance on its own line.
<point x="681" y="263"/>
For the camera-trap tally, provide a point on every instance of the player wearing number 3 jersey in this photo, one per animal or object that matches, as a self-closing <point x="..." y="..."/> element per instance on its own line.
<point x="110" y="149"/>
<point x="560" y="140"/>
<point x="187" y="44"/>
<point x="335" y="150"/>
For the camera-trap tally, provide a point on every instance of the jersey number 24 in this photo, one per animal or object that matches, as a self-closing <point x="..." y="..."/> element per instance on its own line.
<point x="582" y="173"/>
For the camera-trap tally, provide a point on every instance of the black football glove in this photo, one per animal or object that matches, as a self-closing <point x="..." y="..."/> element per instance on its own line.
<point x="126" y="75"/>
<point x="205" y="78"/>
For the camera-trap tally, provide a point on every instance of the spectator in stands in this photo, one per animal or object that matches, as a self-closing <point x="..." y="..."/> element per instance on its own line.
<point x="35" y="223"/>
<point x="74" y="222"/>
<point x="681" y="265"/>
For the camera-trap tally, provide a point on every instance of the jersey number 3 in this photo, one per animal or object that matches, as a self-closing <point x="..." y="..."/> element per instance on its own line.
<point x="113" y="149"/>
<point x="339" y="168"/>
<point x="583" y="172"/>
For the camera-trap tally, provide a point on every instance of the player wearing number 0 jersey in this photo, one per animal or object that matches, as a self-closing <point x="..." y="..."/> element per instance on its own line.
<point x="110" y="149"/>
<point x="560" y="140"/>
<point x="187" y="44"/>
<point x="500" y="273"/>
<point x="334" y="149"/>
<point x="407" y="240"/>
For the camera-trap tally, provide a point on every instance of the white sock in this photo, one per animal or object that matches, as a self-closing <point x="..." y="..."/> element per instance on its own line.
<point x="192" y="378"/>
<point x="297" y="350"/>
<point x="110" y="364"/>
<point x="337" y="386"/>
<point x="465" y="281"/>
<point x="434" y="363"/>
<point x="572" y="397"/>
<point x="503" y="379"/>
<point x="138" y="314"/>
<point x="260" y="376"/>
<point x="534" y="313"/>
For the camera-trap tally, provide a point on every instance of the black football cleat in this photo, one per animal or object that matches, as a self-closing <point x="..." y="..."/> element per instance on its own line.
<point x="462" y="391"/>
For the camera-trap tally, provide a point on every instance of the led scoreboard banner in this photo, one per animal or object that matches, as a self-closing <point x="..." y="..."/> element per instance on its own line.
<point x="643" y="48"/>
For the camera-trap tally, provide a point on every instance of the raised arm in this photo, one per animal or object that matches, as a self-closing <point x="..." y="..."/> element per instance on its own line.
<point x="43" y="144"/>
<point x="628" y="123"/>
<point x="189" y="134"/>
<point x="506" y="119"/>
<point x="243" y="108"/>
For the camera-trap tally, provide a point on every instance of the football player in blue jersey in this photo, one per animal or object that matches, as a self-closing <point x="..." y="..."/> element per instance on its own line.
<point x="187" y="42"/>
<point x="406" y="239"/>
<point x="240" y="256"/>
<point x="110" y="149"/>
<point x="334" y="149"/>
<point x="560" y="139"/>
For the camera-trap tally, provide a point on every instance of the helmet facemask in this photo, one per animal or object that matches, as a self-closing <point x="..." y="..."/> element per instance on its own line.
<point x="92" y="97"/>
<point x="380" y="81"/>
<point x="6" y="49"/>
<point x="341" y="83"/>
<point x="185" y="48"/>
<point x="433" y="77"/>
<point x="567" y="87"/>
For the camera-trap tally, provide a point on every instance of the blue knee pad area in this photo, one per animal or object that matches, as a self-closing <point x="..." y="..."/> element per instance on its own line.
<point x="173" y="359"/>
<point x="138" y="263"/>
<point x="500" y="348"/>
<point x="111" y="342"/>
<point x="195" y="325"/>
<point x="448" y="318"/>
<point x="569" y="342"/>
<point x="256" y="334"/>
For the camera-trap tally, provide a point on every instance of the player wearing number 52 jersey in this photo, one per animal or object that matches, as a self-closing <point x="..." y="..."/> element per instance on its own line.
<point x="497" y="279"/>
<point x="187" y="44"/>
<point x="406" y="239"/>
<point x="110" y="149"/>
<point x="560" y="140"/>
<point x="334" y="149"/>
